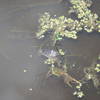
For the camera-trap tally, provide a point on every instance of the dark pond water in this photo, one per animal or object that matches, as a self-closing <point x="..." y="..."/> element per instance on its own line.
<point x="22" y="72"/>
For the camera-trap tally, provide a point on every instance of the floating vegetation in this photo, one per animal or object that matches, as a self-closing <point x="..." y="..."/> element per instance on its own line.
<point x="61" y="52"/>
<point x="91" y="73"/>
<point x="97" y="68"/>
<point x="67" y="27"/>
<point x="88" y="20"/>
<point x="59" y="27"/>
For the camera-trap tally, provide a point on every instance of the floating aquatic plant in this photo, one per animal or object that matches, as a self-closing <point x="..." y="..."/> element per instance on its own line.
<point x="59" y="27"/>
<point x="91" y="73"/>
<point x="61" y="52"/>
<point x="97" y="68"/>
<point x="88" y="20"/>
<point x="67" y="27"/>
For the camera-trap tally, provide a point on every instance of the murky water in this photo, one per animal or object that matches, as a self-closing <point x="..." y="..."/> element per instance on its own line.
<point x="22" y="72"/>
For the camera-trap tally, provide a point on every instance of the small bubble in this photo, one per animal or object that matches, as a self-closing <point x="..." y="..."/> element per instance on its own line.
<point x="30" y="89"/>
<point x="73" y="65"/>
<point x="25" y="70"/>
<point x="30" y="56"/>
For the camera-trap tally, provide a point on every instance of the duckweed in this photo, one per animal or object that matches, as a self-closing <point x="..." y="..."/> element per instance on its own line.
<point x="68" y="27"/>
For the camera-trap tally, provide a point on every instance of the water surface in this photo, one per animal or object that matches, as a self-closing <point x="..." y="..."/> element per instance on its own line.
<point x="18" y="52"/>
